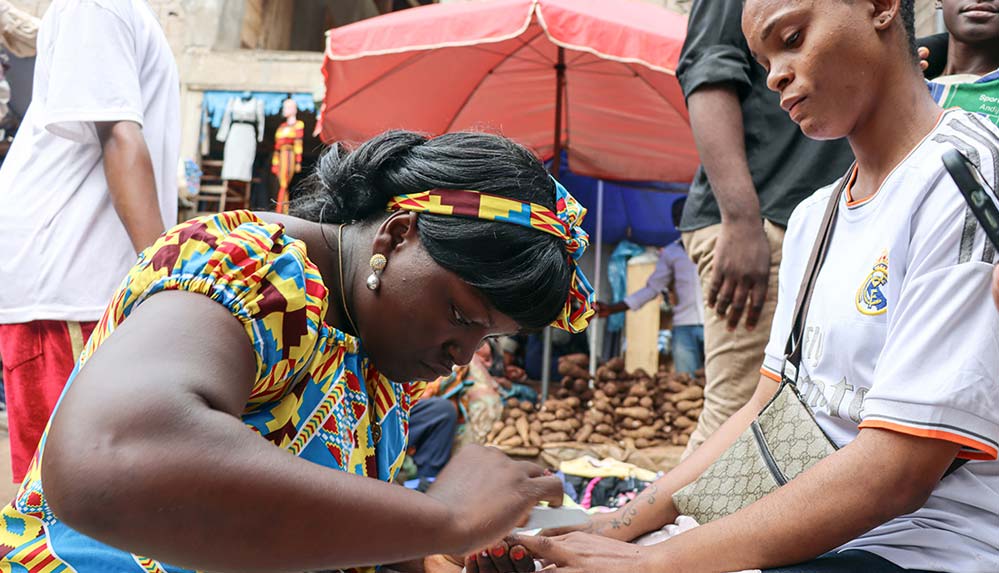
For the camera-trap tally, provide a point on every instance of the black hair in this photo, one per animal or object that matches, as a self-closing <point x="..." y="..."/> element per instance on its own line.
<point x="524" y="273"/>
<point x="908" y="9"/>
<point x="677" y="208"/>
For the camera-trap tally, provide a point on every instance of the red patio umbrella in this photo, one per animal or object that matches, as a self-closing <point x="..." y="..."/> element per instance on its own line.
<point x="593" y="77"/>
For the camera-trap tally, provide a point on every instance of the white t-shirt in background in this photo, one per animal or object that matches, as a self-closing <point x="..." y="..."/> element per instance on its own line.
<point x="673" y="265"/>
<point x="64" y="249"/>
<point x="902" y="334"/>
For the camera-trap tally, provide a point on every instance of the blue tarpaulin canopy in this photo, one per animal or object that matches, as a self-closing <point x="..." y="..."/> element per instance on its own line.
<point x="639" y="212"/>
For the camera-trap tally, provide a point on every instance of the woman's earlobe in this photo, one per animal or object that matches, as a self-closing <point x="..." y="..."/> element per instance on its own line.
<point x="884" y="19"/>
<point x="393" y="232"/>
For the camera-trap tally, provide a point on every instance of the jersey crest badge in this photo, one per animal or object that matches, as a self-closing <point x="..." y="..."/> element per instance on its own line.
<point x="871" y="298"/>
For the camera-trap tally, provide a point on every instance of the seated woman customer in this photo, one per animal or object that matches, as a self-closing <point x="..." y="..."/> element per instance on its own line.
<point x="246" y="396"/>
<point x="900" y="347"/>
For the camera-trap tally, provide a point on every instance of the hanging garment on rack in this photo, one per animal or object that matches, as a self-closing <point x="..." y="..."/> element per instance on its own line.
<point x="287" y="159"/>
<point x="242" y="128"/>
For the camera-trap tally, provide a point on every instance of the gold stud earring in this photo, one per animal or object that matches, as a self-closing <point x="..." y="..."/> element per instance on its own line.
<point x="377" y="263"/>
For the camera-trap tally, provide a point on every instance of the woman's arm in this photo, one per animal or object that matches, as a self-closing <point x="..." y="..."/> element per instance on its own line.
<point x="654" y="508"/>
<point x="148" y="453"/>
<point x="877" y="477"/>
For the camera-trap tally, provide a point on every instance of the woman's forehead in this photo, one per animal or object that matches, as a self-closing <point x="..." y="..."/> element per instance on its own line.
<point x="758" y="15"/>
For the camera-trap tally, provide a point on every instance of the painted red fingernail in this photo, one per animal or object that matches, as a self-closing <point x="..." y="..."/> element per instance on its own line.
<point x="499" y="551"/>
<point x="518" y="553"/>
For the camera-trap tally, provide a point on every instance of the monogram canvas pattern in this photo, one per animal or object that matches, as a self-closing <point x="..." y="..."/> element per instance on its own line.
<point x="741" y="476"/>
<point x="793" y="437"/>
<point x="738" y="478"/>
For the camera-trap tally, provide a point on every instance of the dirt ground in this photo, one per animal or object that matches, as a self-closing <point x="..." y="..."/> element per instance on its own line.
<point x="7" y="488"/>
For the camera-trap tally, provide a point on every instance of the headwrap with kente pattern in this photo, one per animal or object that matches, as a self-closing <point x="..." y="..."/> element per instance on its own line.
<point x="564" y="223"/>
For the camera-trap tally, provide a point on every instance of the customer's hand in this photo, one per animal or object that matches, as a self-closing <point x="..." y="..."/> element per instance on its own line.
<point x="572" y="552"/>
<point x="503" y="557"/>
<point x="741" y="273"/>
<point x="924" y="56"/>
<point x="510" y="556"/>
<point x="488" y="495"/>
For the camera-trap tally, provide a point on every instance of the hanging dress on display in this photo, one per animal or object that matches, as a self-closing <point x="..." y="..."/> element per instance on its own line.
<point x="242" y="128"/>
<point x="287" y="159"/>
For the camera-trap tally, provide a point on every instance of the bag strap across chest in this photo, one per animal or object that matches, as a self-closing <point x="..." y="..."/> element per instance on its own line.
<point x="795" y="340"/>
<point x="793" y="348"/>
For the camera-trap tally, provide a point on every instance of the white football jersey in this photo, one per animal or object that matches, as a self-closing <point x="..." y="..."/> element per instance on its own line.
<point x="902" y="334"/>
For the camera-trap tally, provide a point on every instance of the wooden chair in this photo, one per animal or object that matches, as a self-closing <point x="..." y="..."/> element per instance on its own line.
<point x="217" y="194"/>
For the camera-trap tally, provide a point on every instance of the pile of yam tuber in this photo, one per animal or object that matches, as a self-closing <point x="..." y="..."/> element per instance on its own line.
<point x="632" y="410"/>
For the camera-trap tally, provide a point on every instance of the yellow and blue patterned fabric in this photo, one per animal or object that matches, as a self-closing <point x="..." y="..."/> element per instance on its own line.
<point x="310" y="394"/>
<point x="565" y="223"/>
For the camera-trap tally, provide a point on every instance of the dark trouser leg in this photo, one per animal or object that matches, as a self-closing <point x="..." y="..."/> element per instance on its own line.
<point x="432" y="423"/>
<point x="850" y="561"/>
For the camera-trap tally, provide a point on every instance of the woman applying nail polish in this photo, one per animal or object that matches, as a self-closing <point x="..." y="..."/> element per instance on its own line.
<point x="241" y="338"/>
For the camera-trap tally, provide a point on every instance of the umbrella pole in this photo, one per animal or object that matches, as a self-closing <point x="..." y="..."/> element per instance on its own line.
<point x="595" y="324"/>
<point x="559" y="97"/>
<point x="546" y="357"/>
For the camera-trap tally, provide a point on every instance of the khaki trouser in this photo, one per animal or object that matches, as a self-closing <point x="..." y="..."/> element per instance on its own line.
<point x="732" y="360"/>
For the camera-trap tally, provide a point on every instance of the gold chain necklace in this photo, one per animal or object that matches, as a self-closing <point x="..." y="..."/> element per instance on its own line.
<point x="376" y="427"/>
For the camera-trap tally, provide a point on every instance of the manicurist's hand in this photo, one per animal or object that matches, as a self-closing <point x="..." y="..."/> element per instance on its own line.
<point x="488" y="494"/>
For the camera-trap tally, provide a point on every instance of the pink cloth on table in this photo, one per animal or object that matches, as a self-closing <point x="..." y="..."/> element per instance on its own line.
<point x="587" y="500"/>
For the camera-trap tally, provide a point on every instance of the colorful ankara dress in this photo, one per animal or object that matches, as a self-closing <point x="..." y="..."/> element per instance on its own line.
<point x="311" y="391"/>
<point x="287" y="158"/>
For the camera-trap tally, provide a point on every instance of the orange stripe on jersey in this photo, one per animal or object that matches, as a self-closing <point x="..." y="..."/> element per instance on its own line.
<point x="984" y="451"/>
<point x="849" y="191"/>
<point x="771" y="375"/>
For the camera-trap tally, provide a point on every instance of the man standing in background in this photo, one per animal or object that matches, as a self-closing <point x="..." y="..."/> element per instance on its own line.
<point x="90" y="180"/>
<point x="970" y="78"/>
<point x="756" y="167"/>
<point x="673" y="267"/>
